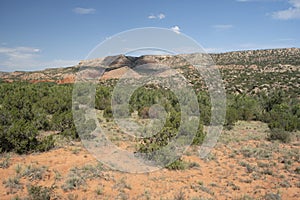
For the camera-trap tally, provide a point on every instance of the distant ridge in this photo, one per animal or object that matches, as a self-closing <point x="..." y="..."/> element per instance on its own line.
<point x="240" y="69"/>
<point x="259" y="57"/>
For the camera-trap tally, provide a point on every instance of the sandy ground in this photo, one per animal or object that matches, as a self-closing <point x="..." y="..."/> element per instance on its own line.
<point x="243" y="165"/>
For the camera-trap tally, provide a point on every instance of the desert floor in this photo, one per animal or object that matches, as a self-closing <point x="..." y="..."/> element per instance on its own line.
<point x="243" y="165"/>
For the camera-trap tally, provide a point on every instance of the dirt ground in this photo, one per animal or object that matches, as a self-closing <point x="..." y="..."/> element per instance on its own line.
<point x="243" y="165"/>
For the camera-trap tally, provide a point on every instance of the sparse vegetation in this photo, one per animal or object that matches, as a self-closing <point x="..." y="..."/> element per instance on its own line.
<point x="77" y="177"/>
<point x="5" y="161"/>
<point x="272" y="196"/>
<point x="180" y="196"/>
<point x="34" y="172"/>
<point x="18" y="169"/>
<point x="73" y="182"/>
<point x="13" y="184"/>
<point x="99" y="191"/>
<point x="38" y="192"/>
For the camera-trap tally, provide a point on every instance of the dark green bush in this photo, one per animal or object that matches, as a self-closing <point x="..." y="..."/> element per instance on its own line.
<point x="46" y="143"/>
<point x="108" y="112"/>
<point x="281" y="135"/>
<point x="231" y="117"/>
<point x="21" y="137"/>
<point x="27" y="109"/>
<point x="39" y="192"/>
<point x="200" y="135"/>
<point x="281" y="117"/>
<point x="177" y="165"/>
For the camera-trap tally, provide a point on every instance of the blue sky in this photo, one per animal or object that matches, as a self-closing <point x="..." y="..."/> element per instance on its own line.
<point x="38" y="34"/>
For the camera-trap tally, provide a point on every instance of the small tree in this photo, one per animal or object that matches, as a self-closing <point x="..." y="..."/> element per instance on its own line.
<point x="21" y="137"/>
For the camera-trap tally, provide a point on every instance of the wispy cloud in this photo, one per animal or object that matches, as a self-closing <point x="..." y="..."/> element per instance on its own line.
<point x="285" y="40"/>
<point x="176" y="29"/>
<point x="213" y="50"/>
<point x="159" y="16"/>
<point x="248" y="46"/>
<point x="292" y="12"/>
<point x="19" y="52"/>
<point x="27" y="58"/>
<point x="84" y="11"/>
<point x="221" y="27"/>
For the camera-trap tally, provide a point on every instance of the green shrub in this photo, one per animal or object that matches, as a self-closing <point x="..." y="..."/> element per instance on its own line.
<point x="73" y="182"/>
<point x="200" y="135"/>
<point x="108" y="112"/>
<point x="34" y="172"/>
<point x="5" y="163"/>
<point x="21" y="137"/>
<point x="282" y="117"/>
<point x="39" y="192"/>
<point x="231" y="117"/>
<point x="13" y="184"/>
<point x="177" y="165"/>
<point x="26" y="109"/>
<point x="46" y="143"/>
<point x="180" y="196"/>
<point x="297" y="170"/>
<point x="281" y="135"/>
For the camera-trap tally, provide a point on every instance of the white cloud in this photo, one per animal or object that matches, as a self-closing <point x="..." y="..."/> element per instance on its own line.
<point x="176" y="29"/>
<point x="84" y="11"/>
<point x="292" y="12"/>
<point x="27" y="58"/>
<point x="222" y="26"/>
<point x="151" y="17"/>
<point x="159" y="16"/>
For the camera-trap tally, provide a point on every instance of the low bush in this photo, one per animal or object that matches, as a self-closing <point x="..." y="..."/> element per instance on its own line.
<point x="281" y="135"/>
<point x="39" y="192"/>
<point x="177" y="165"/>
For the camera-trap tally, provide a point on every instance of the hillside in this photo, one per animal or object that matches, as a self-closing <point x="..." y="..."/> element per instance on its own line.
<point x="242" y="71"/>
